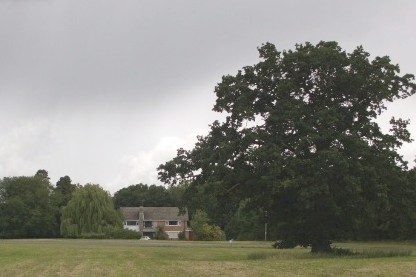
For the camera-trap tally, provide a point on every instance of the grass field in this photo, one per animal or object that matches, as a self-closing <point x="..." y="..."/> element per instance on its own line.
<point x="58" y="257"/>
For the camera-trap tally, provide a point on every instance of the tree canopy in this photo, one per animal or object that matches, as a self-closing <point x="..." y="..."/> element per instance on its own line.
<point x="25" y="208"/>
<point x="90" y="211"/>
<point x="150" y="196"/>
<point x="301" y="142"/>
<point x="64" y="190"/>
<point x="42" y="173"/>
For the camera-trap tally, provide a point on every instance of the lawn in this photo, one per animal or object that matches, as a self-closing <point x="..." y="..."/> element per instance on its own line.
<point x="59" y="257"/>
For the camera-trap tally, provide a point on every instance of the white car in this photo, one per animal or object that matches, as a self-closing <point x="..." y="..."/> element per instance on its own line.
<point x="145" y="238"/>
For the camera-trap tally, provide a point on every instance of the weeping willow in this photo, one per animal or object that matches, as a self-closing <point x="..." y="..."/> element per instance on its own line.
<point x="90" y="211"/>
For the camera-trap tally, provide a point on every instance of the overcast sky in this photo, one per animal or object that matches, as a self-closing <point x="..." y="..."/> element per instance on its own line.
<point x="105" y="91"/>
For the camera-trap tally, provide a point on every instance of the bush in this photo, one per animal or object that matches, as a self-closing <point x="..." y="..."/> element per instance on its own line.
<point x="160" y="234"/>
<point x="93" y="236"/>
<point x="211" y="233"/>
<point x="203" y="230"/>
<point x="181" y="236"/>
<point x="112" y="233"/>
<point x="121" y="233"/>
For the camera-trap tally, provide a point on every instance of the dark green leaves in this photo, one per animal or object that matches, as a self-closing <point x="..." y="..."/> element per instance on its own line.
<point x="300" y="140"/>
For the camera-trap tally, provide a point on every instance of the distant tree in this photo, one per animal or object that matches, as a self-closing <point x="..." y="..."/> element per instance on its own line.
<point x="42" y="173"/>
<point x="176" y="195"/>
<point x="89" y="212"/>
<point x="65" y="189"/>
<point x="141" y="194"/>
<point x="300" y="141"/>
<point x="25" y="208"/>
<point x="61" y="195"/>
<point x="247" y="223"/>
<point x="219" y="203"/>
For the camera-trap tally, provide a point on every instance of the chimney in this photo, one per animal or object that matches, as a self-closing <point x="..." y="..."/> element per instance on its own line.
<point x="141" y="219"/>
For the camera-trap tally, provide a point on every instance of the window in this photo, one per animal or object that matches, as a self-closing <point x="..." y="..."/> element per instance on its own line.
<point x="173" y="223"/>
<point x="148" y="224"/>
<point x="131" y="222"/>
<point x="173" y="235"/>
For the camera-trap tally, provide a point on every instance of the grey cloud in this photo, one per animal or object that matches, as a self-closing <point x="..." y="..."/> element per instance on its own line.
<point x="111" y="79"/>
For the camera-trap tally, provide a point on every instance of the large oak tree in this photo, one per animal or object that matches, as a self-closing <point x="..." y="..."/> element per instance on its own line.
<point x="301" y="142"/>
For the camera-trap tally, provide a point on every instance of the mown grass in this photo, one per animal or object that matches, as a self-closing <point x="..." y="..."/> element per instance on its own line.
<point x="142" y="258"/>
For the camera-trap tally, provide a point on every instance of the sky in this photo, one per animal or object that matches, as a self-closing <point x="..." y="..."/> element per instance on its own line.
<point x="105" y="91"/>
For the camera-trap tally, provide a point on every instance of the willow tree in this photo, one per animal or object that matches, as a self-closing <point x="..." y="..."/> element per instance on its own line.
<point x="301" y="142"/>
<point x="90" y="211"/>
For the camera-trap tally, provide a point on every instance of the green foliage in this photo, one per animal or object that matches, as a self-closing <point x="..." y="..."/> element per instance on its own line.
<point x="181" y="236"/>
<point x="93" y="236"/>
<point x="160" y="234"/>
<point x="150" y="196"/>
<point x="26" y="210"/>
<point x="247" y="223"/>
<point x="110" y="232"/>
<point x="301" y="142"/>
<point x="61" y="195"/>
<point x="89" y="212"/>
<point x="64" y="189"/>
<point x="204" y="231"/>
<point x="219" y="206"/>
<point x="211" y="233"/>
<point x="42" y="173"/>
<point x="199" y="218"/>
<point x="120" y="233"/>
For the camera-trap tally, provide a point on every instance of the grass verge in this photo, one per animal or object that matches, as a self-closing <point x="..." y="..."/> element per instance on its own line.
<point x="139" y="258"/>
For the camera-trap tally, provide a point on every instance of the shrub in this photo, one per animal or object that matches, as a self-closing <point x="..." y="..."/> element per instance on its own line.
<point x="93" y="236"/>
<point x="181" y="236"/>
<point x="121" y="233"/>
<point x="211" y="233"/>
<point x="160" y="234"/>
<point x="112" y="233"/>
<point x="203" y="230"/>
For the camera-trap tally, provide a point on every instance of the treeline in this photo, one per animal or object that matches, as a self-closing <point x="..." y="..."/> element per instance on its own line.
<point x="31" y="207"/>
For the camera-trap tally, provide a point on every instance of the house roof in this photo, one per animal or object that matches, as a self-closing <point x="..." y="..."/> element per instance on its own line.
<point x="153" y="213"/>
